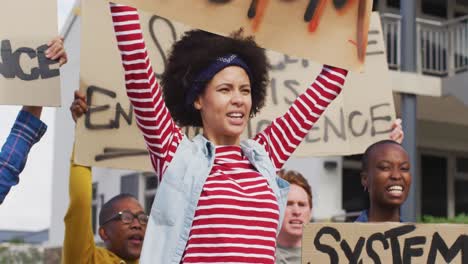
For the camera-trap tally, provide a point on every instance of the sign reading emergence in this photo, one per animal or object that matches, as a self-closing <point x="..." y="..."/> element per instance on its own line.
<point x="107" y="135"/>
<point x="329" y="32"/>
<point x="27" y="77"/>
<point x="385" y="243"/>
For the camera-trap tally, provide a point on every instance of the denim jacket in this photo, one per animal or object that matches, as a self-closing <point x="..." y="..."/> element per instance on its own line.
<point x="177" y="197"/>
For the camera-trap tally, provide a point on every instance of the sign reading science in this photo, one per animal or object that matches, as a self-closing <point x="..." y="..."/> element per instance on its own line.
<point x="385" y="243"/>
<point x="27" y="76"/>
<point x="107" y="136"/>
<point x="329" y="32"/>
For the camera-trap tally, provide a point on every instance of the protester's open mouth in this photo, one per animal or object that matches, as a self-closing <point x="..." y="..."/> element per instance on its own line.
<point x="296" y="222"/>
<point x="236" y="118"/>
<point x="235" y="115"/>
<point x="136" y="239"/>
<point x="395" y="189"/>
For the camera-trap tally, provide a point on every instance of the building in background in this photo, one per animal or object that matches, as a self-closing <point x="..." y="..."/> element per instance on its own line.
<point x="37" y="238"/>
<point x="441" y="84"/>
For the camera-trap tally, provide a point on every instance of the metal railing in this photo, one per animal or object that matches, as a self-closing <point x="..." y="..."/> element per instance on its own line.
<point x="442" y="47"/>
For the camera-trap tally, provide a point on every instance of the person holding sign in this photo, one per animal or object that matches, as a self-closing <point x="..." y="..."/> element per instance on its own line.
<point x="387" y="179"/>
<point x="299" y="209"/>
<point x="27" y="130"/>
<point x="220" y="199"/>
<point x="122" y="221"/>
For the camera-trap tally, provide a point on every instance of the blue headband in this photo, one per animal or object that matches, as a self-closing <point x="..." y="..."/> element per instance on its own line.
<point x="207" y="74"/>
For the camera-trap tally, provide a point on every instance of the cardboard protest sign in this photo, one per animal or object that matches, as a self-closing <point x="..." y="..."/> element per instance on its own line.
<point x="329" y="32"/>
<point x="384" y="243"/>
<point x="108" y="136"/>
<point x="27" y="77"/>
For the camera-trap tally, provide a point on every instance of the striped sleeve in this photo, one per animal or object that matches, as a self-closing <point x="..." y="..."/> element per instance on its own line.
<point x="161" y="134"/>
<point x="285" y="133"/>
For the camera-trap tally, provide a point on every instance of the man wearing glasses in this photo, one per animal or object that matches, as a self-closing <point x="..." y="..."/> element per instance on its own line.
<point x="122" y="222"/>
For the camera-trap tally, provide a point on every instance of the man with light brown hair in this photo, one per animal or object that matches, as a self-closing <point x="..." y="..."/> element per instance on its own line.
<point x="298" y="213"/>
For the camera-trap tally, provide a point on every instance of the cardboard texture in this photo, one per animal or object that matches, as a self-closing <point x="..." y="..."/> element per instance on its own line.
<point x="384" y="243"/>
<point x="108" y="136"/>
<point x="27" y="77"/>
<point x="329" y="32"/>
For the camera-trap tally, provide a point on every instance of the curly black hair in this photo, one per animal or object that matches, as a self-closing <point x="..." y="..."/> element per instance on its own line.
<point x="197" y="50"/>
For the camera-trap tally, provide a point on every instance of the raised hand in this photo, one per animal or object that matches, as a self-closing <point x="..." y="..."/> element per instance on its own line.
<point x="56" y="51"/>
<point x="78" y="106"/>
<point x="397" y="133"/>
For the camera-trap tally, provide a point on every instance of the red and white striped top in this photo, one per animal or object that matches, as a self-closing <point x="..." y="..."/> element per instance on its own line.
<point x="237" y="215"/>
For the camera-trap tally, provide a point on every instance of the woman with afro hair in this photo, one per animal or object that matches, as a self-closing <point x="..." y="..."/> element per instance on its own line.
<point x="219" y="200"/>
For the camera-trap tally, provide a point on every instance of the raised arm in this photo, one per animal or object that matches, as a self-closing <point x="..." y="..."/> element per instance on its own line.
<point x="285" y="133"/>
<point x="26" y="131"/>
<point x="79" y="239"/>
<point x="161" y="134"/>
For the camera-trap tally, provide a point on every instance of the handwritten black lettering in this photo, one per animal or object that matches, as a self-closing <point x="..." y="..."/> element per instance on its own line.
<point x="375" y="118"/>
<point x="290" y="84"/>
<point x="356" y="123"/>
<point x="449" y="254"/>
<point x="393" y="235"/>
<point x="351" y="117"/>
<point x="309" y="14"/>
<point x="282" y="65"/>
<point x="309" y="138"/>
<point x="370" y="250"/>
<point x="340" y="133"/>
<point x="119" y="111"/>
<point x="371" y="44"/>
<point x="273" y="87"/>
<point x="339" y="3"/>
<point x="44" y="64"/>
<point x="89" y="98"/>
<point x="10" y="67"/>
<point x="252" y="12"/>
<point x="115" y="153"/>
<point x="353" y="255"/>
<point x="409" y="251"/>
<point x="220" y="1"/>
<point x="372" y="53"/>
<point x="413" y="249"/>
<point x="332" y="254"/>
<point x="310" y="10"/>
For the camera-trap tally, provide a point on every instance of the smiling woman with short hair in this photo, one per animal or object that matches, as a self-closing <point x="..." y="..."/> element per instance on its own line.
<point x="387" y="179"/>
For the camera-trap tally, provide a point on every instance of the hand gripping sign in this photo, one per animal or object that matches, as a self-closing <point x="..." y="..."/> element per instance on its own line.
<point x="27" y="77"/>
